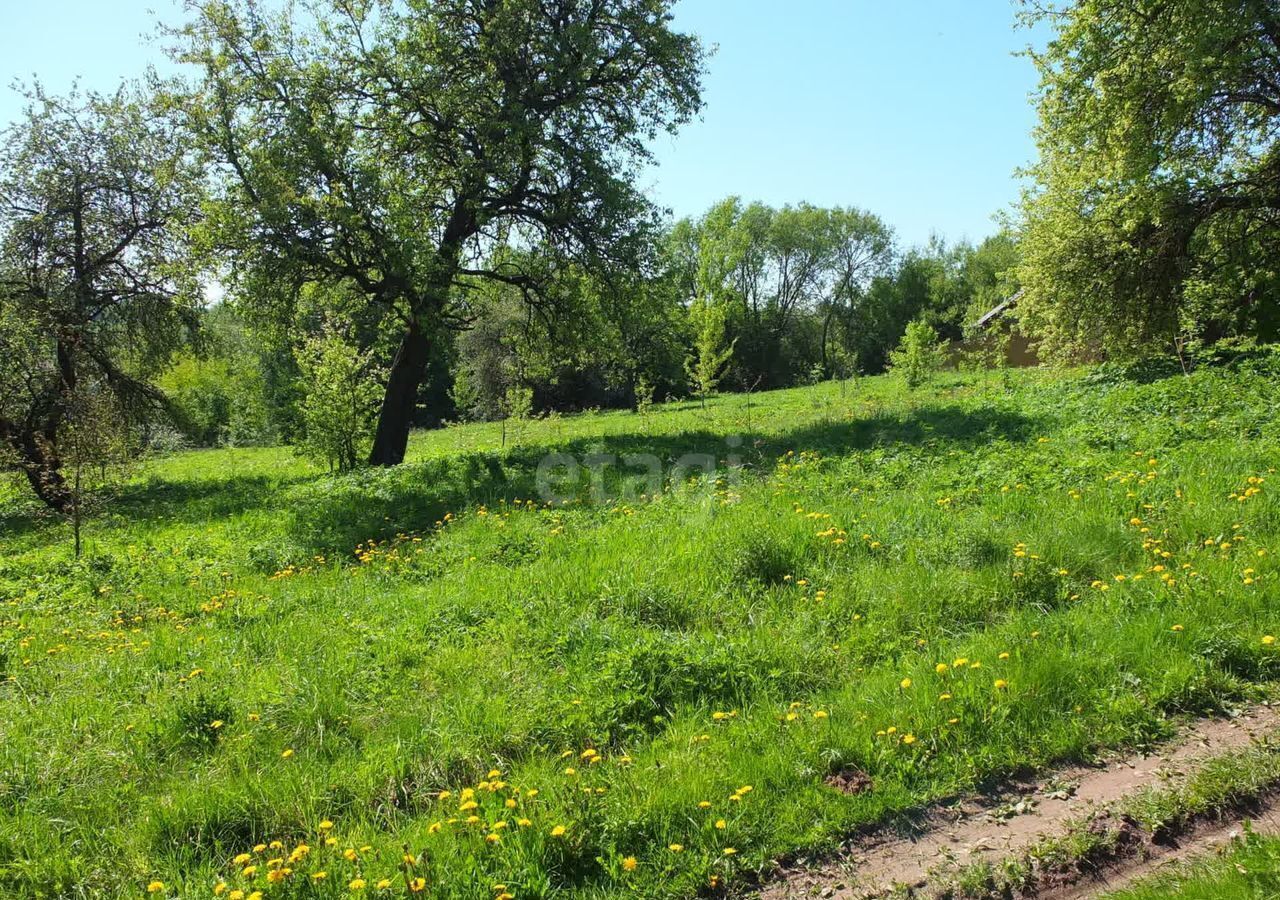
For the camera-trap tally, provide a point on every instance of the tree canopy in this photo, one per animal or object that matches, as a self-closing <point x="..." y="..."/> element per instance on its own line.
<point x="97" y="197"/>
<point x="1153" y="215"/>
<point x="395" y="146"/>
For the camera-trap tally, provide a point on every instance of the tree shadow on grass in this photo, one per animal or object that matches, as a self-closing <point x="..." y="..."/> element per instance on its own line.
<point x="155" y="499"/>
<point x="337" y="513"/>
<point x="326" y="514"/>
<point x="200" y="499"/>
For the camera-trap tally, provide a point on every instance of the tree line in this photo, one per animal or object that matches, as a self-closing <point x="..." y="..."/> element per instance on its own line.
<point x="428" y="210"/>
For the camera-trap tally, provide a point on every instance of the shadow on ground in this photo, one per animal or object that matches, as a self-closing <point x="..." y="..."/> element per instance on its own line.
<point x="326" y="514"/>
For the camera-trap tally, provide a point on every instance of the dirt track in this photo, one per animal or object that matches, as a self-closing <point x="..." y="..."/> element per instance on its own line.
<point x="997" y="828"/>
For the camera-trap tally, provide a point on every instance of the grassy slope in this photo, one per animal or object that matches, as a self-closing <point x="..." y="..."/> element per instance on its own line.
<point x="762" y="634"/>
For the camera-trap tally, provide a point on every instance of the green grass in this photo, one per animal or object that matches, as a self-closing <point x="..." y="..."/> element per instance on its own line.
<point x="1249" y="870"/>
<point x="764" y="628"/>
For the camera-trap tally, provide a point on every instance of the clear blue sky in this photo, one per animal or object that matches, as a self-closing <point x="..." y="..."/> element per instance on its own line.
<point x="915" y="109"/>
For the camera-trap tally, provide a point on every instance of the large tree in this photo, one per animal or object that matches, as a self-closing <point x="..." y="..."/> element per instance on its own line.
<point x="96" y="198"/>
<point x="1155" y="212"/>
<point x="393" y="146"/>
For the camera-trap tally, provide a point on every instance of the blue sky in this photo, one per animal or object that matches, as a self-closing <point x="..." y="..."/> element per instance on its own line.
<point x="915" y="109"/>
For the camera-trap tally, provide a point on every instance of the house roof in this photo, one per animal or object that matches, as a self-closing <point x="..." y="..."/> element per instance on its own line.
<point x="997" y="311"/>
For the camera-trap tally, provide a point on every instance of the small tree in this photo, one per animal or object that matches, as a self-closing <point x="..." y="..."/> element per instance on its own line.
<point x="97" y="449"/>
<point x="517" y="407"/>
<point x="341" y="402"/>
<point x="919" y="355"/>
<point x="710" y="354"/>
<point x="644" y="393"/>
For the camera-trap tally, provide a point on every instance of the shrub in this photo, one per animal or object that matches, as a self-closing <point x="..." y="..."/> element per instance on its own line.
<point x="341" y="402"/>
<point x="919" y="355"/>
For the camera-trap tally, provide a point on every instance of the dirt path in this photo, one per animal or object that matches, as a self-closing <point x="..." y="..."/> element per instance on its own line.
<point x="1202" y="841"/>
<point x="998" y="828"/>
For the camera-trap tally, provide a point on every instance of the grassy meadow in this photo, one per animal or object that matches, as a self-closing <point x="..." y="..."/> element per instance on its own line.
<point x="264" y="681"/>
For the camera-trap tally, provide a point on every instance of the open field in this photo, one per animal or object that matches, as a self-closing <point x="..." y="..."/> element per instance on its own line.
<point x="429" y="681"/>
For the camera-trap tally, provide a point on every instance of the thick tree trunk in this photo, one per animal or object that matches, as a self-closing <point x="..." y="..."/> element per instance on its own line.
<point x="408" y="370"/>
<point x="39" y="461"/>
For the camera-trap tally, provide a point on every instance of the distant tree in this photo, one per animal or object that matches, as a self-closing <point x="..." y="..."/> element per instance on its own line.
<point x="217" y="390"/>
<point x="395" y="145"/>
<point x="339" y="406"/>
<point x="991" y="273"/>
<point x="97" y="196"/>
<point x="790" y="279"/>
<point x="919" y="355"/>
<point x="1155" y="208"/>
<point x="861" y="248"/>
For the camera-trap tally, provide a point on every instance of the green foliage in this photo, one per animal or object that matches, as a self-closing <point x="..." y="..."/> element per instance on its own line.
<point x="340" y="403"/>
<point x="789" y="278"/>
<point x="384" y="146"/>
<point x="97" y="194"/>
<point x="217" y="400"/>
<point x="1152" y="216"/>
<point x="517" y="409"/>
<point x="919" y="355"/>
<point x="710" y="352"/>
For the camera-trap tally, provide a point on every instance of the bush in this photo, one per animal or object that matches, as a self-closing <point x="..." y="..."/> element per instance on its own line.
<point x="919" y="355"/>
<point x="341" y="402"/>
<point x="217" y="400"/>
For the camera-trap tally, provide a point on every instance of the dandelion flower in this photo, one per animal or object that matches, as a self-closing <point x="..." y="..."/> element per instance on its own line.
<point x="155" y="887"/>
<point x="1001" y="684"/>
<point x="904" y="683"/>
<point x="1268" y="639"/>
<point x="558" y="831"/>
<point x="629" y="864"/>
<point x="675" y="848"/>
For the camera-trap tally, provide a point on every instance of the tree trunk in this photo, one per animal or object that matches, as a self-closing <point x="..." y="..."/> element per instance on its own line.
<point x="826" y="331"/>
<point x="408" y="371"/>
<point x="43" y="468"/>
